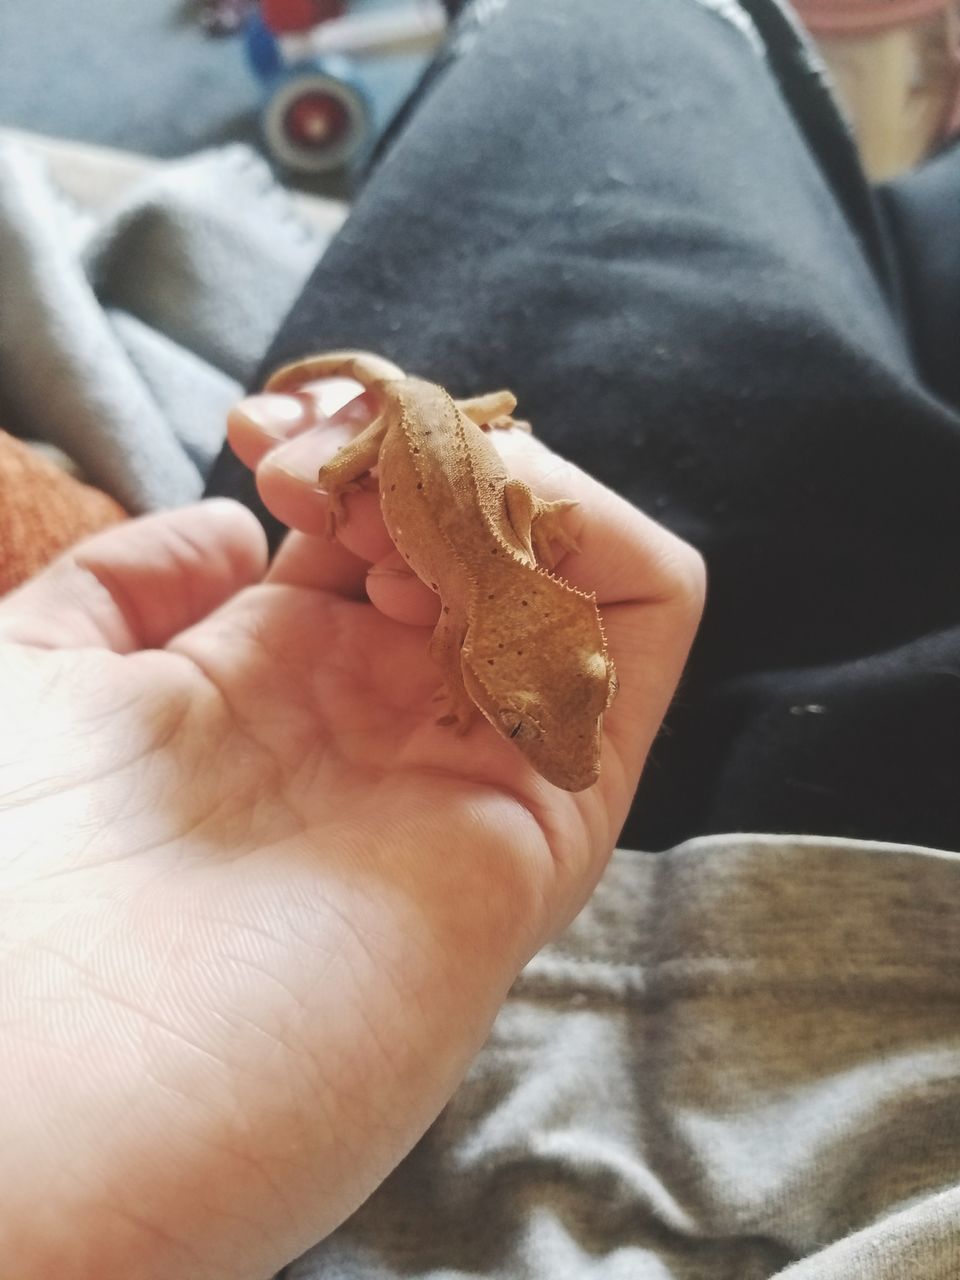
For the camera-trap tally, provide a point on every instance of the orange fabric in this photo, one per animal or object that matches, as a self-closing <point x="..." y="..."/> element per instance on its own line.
<point x="42" y="511"/>
<point x="827" y="19"/>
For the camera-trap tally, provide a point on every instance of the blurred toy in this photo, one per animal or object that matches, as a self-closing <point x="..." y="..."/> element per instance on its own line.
<point x="284" y="16"/>
<point x="317" y="115"/>
<point x="224" y="17"/>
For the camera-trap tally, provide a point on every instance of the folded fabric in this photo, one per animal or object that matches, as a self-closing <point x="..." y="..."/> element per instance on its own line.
<point x="741" y="1062"/>
<point x="43" y="510"/>
<point x="124" y="337"/>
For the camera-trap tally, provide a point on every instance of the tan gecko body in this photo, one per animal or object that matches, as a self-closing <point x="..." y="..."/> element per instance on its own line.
<point x="514" y="641"/>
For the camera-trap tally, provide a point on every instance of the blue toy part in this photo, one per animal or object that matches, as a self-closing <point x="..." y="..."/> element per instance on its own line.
<point x="263" y="52"/>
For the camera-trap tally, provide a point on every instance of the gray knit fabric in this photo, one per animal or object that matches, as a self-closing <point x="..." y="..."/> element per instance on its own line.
<point x="125" y="338"/>
<point x="741" y="1062"/>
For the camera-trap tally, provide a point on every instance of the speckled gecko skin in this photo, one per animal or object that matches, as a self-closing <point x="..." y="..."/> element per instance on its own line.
<point x="513" y="640"/>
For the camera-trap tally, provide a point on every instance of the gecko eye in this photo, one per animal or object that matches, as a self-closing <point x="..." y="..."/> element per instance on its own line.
<point x="518" y="724"/>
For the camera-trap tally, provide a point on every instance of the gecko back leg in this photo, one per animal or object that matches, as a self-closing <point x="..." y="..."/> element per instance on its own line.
<point x="343" y="472"/>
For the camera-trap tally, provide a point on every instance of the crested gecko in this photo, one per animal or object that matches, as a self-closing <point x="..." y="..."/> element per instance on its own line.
<point x="513" y="640"/>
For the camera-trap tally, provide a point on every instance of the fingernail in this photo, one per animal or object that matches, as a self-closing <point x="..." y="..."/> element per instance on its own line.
<point x="276" y="416"/>
<point x="383" y="571"/>
<point x="304" y="455"/>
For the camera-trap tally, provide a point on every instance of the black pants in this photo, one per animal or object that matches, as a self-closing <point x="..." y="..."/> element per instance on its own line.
<point x="648" y="221"/>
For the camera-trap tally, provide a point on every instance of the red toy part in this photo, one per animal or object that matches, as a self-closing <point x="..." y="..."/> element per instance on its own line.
<point x="283" y="17"/>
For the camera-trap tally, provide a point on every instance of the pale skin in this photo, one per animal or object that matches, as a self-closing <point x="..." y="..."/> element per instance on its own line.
<point x="257" y="909"/>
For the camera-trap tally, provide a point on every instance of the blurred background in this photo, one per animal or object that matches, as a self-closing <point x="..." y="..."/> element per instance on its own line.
<point x="896" y="68"/>
<point x="167" y="77"/>
<point x="137" y="296"/>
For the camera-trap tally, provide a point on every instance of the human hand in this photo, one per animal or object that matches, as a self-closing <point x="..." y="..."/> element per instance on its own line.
<point x="257" y="910"/>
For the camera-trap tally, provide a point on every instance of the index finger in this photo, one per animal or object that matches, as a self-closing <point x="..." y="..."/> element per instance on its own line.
<point x="285" y="439"/>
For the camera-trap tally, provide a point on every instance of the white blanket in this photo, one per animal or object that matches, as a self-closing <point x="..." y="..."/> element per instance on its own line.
<point x="127" y="331"/>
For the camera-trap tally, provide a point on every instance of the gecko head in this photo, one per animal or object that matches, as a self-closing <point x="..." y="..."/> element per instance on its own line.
<point x="535" y="663"/>
<point x="555" y="725"/>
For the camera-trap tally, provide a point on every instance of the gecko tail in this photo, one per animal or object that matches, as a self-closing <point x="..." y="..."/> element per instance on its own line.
<point x="363" y="366"/>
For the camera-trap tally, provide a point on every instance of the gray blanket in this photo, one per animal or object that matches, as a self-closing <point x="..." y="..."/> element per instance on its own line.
<point x="741" y="1062"/>
<point x="124" y="338"/>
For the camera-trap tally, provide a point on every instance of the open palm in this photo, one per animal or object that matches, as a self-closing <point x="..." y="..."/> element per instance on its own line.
<point x="257" y="908"/>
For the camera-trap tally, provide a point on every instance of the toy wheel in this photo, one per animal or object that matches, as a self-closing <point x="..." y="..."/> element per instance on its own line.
<point x="315" y="122"/>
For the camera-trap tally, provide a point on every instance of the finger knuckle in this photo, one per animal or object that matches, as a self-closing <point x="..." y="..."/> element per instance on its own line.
<point x="688" y="572"/>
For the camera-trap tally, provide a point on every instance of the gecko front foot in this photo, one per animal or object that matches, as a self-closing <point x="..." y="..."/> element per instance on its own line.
<point x="537" y="523"/>
<point x="460" y="715"/>
<point x="547" y="529"/>
<point x="336" y="508"/>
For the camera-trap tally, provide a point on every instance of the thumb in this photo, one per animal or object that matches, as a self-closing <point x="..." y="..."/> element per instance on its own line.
<point x="140" y="583"/>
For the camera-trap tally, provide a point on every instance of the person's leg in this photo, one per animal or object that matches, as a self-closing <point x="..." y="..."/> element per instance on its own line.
<point x="615" y="211"/>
